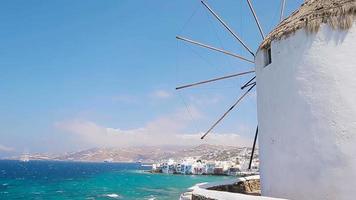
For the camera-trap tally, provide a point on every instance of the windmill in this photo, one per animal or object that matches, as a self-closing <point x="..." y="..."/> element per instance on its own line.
<point x="249" y="85"/>
<point x="306" y="102"/>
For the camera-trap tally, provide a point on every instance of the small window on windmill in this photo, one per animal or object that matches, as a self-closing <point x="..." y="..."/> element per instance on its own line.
<point x="268" y="55"/>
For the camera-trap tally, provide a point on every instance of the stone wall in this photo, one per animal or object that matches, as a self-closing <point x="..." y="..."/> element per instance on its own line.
<point x="198" y="197"/>
<point x="250" y="187"/>
<point x="244" y="187"/>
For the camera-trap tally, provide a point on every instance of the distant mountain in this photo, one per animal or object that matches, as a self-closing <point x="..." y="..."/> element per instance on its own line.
<point x="150" y="154"/>
<point x="130" y="154"/>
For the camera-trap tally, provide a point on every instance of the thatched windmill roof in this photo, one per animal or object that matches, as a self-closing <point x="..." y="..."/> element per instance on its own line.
<point x="339" y="14"/>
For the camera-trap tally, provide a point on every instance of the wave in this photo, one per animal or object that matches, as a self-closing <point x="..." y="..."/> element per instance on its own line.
<point x="113" y="195"/>
<point x="151" y="197"/>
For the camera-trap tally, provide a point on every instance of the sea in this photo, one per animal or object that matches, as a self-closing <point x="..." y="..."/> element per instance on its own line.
<point x="79" y="180"/>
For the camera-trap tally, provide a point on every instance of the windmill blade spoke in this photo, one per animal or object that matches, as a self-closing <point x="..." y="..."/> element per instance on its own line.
<point x="256" y="19"/>
<point x="248" y="82"/>
<point x="227" y="112"/>
<point x="227" y="27"/>
<point x="282" y="10"/>
<point x="215" y="79"/>
<point x="213" y="48"/>
<point x="253" y="149"/>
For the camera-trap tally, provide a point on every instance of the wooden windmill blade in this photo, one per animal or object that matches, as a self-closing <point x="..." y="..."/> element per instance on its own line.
<point x="227" y="112"/>
<point x="228" y="28"/>
<point x="248" y="85"/>
<point x="282" y="10"/>
<point x="215" y="79"/>
<point x="213" y="48"/>
<point x="251" y="83"/>
<point x="248" y="82"/>
<point x="253" y="149"/>
<point x="256" y="19"/>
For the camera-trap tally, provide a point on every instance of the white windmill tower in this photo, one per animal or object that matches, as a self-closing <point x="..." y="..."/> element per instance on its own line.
<point x="306" y="101"/>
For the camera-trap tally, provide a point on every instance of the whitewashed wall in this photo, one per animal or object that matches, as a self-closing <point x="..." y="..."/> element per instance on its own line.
<point x="307" y="116"/>
<point x="203" y="191"/>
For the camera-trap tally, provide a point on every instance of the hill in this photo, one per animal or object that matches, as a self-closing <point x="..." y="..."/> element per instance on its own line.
<point x="150" y="154"/>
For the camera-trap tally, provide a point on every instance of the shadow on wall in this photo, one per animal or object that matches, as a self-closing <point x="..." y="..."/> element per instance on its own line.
<point x="335" y="35"/>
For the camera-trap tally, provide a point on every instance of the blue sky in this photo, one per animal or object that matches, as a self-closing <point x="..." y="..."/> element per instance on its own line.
<point x="76" y="74"/>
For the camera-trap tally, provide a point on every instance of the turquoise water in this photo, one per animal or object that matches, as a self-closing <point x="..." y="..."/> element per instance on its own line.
<point x="70" y="180"/>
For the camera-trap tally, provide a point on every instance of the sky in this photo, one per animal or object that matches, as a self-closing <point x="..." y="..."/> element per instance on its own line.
<point x="93" y="73"/>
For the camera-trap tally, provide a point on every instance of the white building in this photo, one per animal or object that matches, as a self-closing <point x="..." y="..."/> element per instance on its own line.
<point x="165" y="168"/>
<point x="198" y="168"/>
<point x="209" y="167"/>
<point x="178" y="168"/>
<point x="306" y="98"/>
<point x="168" y="167"/>
<point x="186" y="167"/>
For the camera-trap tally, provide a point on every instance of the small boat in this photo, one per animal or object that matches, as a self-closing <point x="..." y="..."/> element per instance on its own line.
<point x="109" y="160"/>
<point x="25" y="158"/>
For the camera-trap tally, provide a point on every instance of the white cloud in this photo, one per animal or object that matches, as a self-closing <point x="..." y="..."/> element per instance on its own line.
<point x="5" y="148"/>
<point x="168" y="130"/>
<point x="161" y="94"/>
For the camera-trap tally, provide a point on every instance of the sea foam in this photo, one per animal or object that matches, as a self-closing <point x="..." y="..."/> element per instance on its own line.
<point x="113" y="195"/>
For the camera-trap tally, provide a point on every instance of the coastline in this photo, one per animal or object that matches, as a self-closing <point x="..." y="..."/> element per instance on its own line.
<point x="79" y="161"/>
<point x="79" y="180"/>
